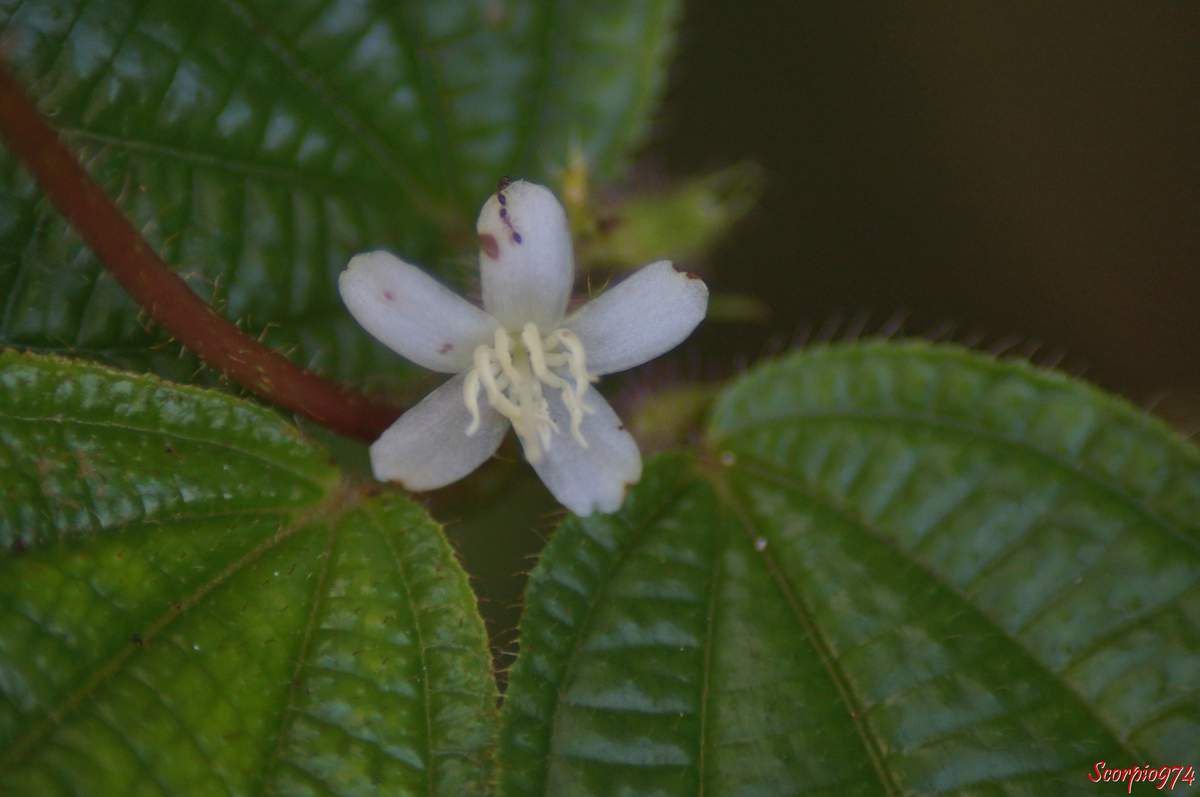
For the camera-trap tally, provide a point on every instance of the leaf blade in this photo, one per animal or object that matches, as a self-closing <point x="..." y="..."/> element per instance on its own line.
<point x="911" y="588"/>
<point x="68" y="430"/>
<point x="259" y="144"/>
<point x="249" y="637"/>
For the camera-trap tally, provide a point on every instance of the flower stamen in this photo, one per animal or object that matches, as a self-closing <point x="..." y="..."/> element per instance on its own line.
<point x="512" y="372"/>
<point x="495" y="394"/>
<point x="471" y="399"/>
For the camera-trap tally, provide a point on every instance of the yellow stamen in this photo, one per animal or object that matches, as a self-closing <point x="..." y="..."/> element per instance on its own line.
<point x="512" y="372"/>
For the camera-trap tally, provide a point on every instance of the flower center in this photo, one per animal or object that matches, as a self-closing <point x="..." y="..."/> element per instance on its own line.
<point x="511" y="373"/>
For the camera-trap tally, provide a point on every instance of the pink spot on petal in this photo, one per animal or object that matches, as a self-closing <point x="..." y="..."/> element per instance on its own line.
<point x="445" y="348"/>
<point x="391" y="297"/>
<point x="489" y="245"/>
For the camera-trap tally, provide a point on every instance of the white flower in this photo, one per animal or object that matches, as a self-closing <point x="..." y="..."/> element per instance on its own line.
<point x="521" y="361"/>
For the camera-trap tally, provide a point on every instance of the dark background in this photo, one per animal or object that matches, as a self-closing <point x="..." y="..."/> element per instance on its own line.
<point x="1024" y="171"/>
<point x="1005" y="173"/>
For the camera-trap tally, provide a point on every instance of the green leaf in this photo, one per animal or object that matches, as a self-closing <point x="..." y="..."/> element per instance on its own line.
<point x="258" y="144"/>
<point x="192" y="603"/>
<point x="897" y="570"/>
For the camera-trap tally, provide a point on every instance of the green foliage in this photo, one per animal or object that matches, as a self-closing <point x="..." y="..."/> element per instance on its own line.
<point x="897" y="569"/>
<point x="681" y="223"/>
<point x="892" y="569"/>
<point x="192" y="603"/>
<point x="887" y="569"/>
<point x="258" y="144"/>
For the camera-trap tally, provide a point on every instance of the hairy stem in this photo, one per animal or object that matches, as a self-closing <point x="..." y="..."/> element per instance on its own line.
<point x="164" y="296"/>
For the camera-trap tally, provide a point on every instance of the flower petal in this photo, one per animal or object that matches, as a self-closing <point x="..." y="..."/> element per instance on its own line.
<point x="596" y="477"/>
<point x="428" y="447"/>
<point x="412" y="313"/>
<point x="640" y="318"/>
<point x="525" y="258"/>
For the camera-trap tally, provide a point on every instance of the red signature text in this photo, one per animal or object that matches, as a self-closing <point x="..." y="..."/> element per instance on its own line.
<point x="1163" y="777"/>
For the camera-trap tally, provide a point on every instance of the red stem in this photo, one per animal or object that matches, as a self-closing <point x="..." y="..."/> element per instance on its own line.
<point x="166" y="297"/>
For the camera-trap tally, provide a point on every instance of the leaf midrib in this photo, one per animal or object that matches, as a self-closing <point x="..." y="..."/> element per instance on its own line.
<point x="299" y="71"/>
<point x="441" y="129"/>
<point x="287" y="711"/>
<point x="710" y="624"/>
<point x="422" y="651"/>
<point x="22" y="745"/>
<point x="762" y="469"/>
<point x="636" y="533"/>
<point x="538" y="87"/>
<point x="816" y="637"/>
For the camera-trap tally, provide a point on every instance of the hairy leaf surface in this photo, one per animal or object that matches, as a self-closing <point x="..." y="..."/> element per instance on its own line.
<point x="258" y="144"/>
<point x="191" y="603"/>
<point x="897" y="570"/>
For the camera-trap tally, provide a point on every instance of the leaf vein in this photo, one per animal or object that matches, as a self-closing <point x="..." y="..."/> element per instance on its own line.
<point x="975" y="434"/>
<point x="764" y="470"/>
<point x="169" y="435"/>
<point x="23" y="744"/>
<point x="710" y="624"/>
<point x="430" y="763"/>
<point x="816" y="638"/>
<point x="288" y="709"/>
<point x="357" y="128"/>
<point x="348" y="186"/>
